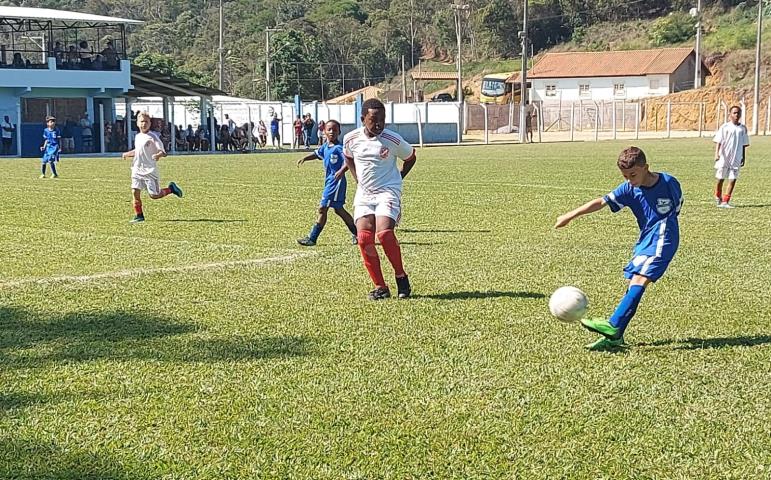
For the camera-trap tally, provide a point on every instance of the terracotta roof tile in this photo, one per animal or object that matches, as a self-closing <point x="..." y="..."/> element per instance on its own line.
<point x="610" y="64"/>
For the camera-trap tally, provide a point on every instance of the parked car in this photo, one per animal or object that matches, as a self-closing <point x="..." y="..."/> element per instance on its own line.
<point x="442" y="97"/>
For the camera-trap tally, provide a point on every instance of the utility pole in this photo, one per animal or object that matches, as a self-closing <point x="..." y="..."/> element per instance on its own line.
<point x="697" y="71"/>
<point x="222" y="48"/>
<point x="267" y="61"/>
<point x="459" y="8"/>
<point x="523" y="79"/>
<point x="756" y="99"/>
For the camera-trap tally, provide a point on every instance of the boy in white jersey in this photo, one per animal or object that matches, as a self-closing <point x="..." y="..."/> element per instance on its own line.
<point x="148" y="149"/>
<point x="370" y="154"/>
<point x="731" y="141"/>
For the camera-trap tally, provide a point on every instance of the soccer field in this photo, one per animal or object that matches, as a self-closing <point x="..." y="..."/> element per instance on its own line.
<point x="205" y="343"/>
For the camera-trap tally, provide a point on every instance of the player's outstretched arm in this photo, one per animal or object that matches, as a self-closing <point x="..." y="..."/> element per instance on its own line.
<point x="128" y="154"/>
<point x="589" y="207"/>
<point x="310" y="156"/>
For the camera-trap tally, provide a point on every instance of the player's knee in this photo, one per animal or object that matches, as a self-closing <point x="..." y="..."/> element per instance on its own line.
<point x="386" y="235"/>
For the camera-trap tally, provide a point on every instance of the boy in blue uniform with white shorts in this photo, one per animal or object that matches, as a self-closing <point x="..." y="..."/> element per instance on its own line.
<point x="331" y="153"/>
<point x="655" y="200"/>
<point x="51" y="148"/>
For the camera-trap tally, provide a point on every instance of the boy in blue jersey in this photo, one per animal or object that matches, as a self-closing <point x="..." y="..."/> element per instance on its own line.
<point x="655" y="200"/>
<point x="331" y="153"/>
<point x="51" y="148"/>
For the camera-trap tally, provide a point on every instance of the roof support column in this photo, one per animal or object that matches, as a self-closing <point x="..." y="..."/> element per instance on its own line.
<point x="172" y="127"/>
<point x="18" y="126"/>
<point x="101" y="130"/>
<point x="127" y="124"/>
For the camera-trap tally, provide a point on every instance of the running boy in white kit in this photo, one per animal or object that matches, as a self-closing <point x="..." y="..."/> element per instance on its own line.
<point x="731" y="141"/>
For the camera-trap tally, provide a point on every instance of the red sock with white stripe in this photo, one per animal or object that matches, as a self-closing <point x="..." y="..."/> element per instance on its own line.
<point x="726" y="198"/>
<point x="370" y="257"/>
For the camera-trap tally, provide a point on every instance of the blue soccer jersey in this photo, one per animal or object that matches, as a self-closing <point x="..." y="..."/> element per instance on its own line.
<point x="656" y="209"/>
<point x="51" y="152"/>
<point x="334" y="190"/>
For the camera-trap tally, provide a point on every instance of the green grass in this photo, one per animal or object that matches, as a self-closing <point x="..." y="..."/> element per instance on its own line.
<point x="284" y="370"/>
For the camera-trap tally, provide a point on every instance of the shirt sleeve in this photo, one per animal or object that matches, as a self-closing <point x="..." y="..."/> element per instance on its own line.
<point x="745" y="138"/>
<point x="347" y="148"/>
<point x="319" y="152"/>
<point x="718" y="138"/>
<point x="678" y="193"/>
<point x="620" y="197"/>
<point x="158" y="143"/>
<point x="404" y="150"/>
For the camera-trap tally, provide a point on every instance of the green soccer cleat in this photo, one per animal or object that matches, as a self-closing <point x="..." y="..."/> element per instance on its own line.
<point x="604" y="344"/>
<point x="603" y="327"/>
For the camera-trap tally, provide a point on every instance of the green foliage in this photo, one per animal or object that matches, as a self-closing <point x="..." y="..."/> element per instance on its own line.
<point x="674" y="28"/>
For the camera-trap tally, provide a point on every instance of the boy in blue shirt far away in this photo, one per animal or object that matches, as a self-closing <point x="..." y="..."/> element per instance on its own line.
<point x="51" y="148"/>
<point x="655" y="200"/>
<point x="331" y="153"/>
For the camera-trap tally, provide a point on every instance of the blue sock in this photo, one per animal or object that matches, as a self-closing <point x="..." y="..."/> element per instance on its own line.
<point x="627" y="308"/>
<point x="53" y="169"/>
<point x="315" y="231"/>
<point x="43" y="168"/>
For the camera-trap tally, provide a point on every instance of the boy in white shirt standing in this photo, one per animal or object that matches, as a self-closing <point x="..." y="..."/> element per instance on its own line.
<point x="731" y="141"/>
<point x="148" y="149"/>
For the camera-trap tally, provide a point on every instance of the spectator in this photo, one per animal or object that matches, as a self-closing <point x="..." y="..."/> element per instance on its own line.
<point x="275" y="131"/>
<point x="59" y="54"/>
<point x="231" y="124"/>
<point x="322" y="136"/>
<point x="86" y="55"/>
<point x="86" y="134"/>
<point x="98" y="63"/>
<point x="18" y="62"/>
<point x="298" y="132"/>
<point x="190" y="136"/>
<point x="308" y="125"/>
<point x="8" y="130"/>
<point x="68" y="136"/>
<point x="73" y="58"/>
<point x="110" y="57"/>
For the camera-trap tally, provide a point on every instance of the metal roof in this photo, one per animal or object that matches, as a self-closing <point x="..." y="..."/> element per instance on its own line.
<point x="149" y="83"/>
<point x="26" y="13"/>
<point x="631" y="63"/>
<point x="435" y="76"/>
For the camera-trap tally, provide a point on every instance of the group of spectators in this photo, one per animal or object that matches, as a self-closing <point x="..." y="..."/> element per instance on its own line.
<point x="303" y="131"/>
<point x="83" y="57"/>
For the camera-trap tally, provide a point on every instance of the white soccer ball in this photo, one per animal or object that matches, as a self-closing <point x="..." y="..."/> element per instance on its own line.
<point x="568" y="304"/>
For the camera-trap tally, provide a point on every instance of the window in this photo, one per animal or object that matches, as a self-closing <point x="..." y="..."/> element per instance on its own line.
<point x="551" y="90"/>
<point x="584" y="90"/>
<point x="619" y="90"/>
<point x="493" y="88"/>
<point x="655" y="84"/>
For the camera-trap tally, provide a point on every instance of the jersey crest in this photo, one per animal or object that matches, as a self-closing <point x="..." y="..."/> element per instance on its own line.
<point x="663" y="205"/>
<point x="384" y="151"/>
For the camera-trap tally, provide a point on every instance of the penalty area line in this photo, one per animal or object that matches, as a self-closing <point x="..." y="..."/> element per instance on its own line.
<point x="136" y="272"/>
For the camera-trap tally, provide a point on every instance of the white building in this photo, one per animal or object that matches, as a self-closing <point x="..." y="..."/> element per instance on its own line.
<point x="607" y="76"/>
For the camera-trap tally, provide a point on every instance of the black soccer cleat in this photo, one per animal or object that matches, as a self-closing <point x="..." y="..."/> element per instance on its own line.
<point x="307" y="242"/>
<point x="403" y="286"/>
<point x="379" y="293"/>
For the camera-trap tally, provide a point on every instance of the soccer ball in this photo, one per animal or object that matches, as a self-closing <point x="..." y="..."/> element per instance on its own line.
<point x="568" y="304"/>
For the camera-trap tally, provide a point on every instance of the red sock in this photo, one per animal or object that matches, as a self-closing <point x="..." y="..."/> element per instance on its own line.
<point x="371" y="259"/>
<point x="165" y="191"/>
<point x="718" y="192"/>
<point x="392" y="250"/>
<point x="726" y="198"/>
<point x="138" y="208"/>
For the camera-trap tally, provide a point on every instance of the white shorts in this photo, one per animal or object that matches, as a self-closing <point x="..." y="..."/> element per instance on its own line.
<point x="151" y="184"/>
<point x="726" y="173"/>
<point x="384" y="204"/>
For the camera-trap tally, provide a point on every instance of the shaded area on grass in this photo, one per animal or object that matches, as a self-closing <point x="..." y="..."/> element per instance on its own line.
<point x="205" y="220"/>
<point x="693" y="343"/>
<point x="440" y="230"/>
<point x="479" y="294"/>
<point x="30" y="459"/>
<point x="30" y="339"/>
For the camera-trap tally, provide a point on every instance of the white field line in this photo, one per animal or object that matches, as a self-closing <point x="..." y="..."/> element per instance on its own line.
<point x="135" y="272"/>
<point x="86" y="235"/>
<point x="506" y="184"/>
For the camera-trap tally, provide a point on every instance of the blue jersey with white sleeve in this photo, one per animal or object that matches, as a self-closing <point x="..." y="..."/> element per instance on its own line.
<point x="656" y="209"/>
<point x="334" y="190"/>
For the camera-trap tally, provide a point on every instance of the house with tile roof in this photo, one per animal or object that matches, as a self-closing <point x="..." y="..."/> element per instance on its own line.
<point x="617" y="75"/>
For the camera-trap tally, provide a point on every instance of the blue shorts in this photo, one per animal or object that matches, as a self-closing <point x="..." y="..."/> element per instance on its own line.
<point x="650" y="262"/>
<point x="50" y="156"/>
<point x="333" y="195"/>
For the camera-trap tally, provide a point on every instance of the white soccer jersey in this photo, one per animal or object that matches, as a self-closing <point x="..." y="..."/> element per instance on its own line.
<point x="145" y="146"/>
<point x="732" y="139"/>
<point x="375" y="159"/>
